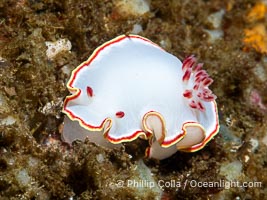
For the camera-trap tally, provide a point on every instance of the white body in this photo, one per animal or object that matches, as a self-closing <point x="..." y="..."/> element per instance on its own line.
<point x="132" y="75"/>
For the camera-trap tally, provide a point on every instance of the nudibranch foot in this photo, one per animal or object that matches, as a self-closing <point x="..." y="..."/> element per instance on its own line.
<point x="156" y="97"/>
<point x="158" y="152"/>
<point x="73" y="131"/>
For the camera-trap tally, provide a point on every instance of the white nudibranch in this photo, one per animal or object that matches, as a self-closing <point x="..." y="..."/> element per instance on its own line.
<point x="129" y="88"/>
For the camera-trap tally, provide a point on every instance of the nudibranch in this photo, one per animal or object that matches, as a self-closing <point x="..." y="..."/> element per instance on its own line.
<point x="130" y="87"/>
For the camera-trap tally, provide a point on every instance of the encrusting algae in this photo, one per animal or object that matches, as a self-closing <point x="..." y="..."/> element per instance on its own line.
<point x="255" y="36"/>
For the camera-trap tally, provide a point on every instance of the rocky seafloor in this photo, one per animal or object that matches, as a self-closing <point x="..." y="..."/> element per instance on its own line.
<point x="228" y="36"/>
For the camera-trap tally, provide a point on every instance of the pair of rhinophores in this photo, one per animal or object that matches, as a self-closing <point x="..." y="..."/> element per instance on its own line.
<point x="129" y="88"/>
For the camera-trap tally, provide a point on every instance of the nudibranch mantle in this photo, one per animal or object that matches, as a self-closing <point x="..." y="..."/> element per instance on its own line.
<point x="130" y="87"/>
